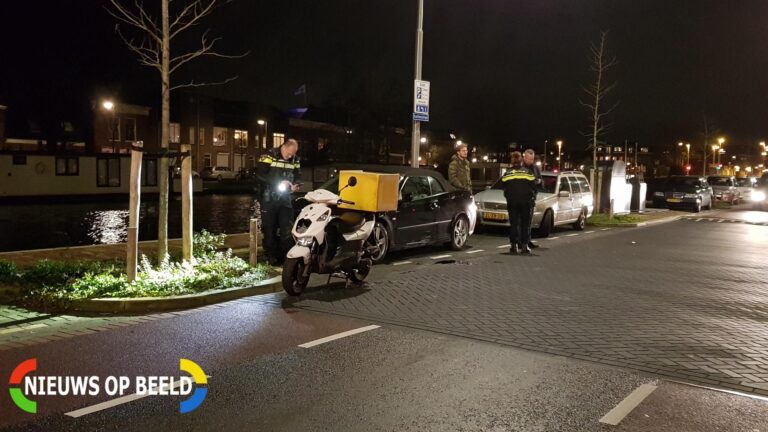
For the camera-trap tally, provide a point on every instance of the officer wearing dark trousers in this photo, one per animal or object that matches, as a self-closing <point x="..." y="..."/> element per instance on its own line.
<point x="278" y="171"/>
<point x="520" y="191"/>
<point x="529" y="157"/>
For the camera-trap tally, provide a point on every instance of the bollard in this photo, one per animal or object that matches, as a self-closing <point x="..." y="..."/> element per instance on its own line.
<point x="610" y="210"/>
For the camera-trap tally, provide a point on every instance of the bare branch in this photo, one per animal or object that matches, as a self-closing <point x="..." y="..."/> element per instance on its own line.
<point x="191" y="15"/>
<point x="148" y="56"/>
<point x="194" y="84"/>
<point x="205" y="50"/>
<point x="137" y="21"/>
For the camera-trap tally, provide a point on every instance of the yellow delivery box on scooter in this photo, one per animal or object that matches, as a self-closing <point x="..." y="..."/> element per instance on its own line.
<point x="374" y="192"/>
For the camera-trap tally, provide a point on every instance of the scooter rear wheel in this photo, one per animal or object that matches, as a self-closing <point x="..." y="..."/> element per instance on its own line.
<point x="361" y="272"/>
<point x="293" y="280"/>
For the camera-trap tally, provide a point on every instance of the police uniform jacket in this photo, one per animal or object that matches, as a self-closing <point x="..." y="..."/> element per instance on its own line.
<point x="272" y="170"/>
<point x="519" y="184"/>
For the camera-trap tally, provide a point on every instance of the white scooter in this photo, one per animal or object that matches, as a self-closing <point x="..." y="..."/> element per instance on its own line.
<point x="328" y="241"/>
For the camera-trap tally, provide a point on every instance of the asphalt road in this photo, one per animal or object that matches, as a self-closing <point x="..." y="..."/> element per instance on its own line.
<point x="461" y="345"/>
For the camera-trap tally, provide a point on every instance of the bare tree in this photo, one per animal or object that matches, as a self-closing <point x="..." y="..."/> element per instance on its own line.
<point x="596" y="94"/>
<point x="708" y="132"/>
<point x="153" y="49"/>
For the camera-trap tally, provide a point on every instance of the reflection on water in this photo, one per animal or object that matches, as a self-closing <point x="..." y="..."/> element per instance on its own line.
<point x="35" y="226"/>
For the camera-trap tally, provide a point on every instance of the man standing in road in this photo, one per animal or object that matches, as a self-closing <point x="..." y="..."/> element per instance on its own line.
<point x="520" y="191"/>
<point x="459" y="171"/>
<point x="278" y="172"/>
<point x="529" y="157"/>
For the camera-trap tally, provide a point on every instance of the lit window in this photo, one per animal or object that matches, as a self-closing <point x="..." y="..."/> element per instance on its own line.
<point x="174" y="133"/>
<point x="219" y="136"/>
<point x="241" y="138"/>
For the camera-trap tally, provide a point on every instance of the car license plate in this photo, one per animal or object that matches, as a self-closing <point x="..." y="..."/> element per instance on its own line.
<point x="494" y="216"/>
<point x="675" y="200"/>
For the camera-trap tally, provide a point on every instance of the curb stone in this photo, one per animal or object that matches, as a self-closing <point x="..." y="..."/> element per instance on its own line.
<point x="639" y="224"/>
<point x="140" y="305"/>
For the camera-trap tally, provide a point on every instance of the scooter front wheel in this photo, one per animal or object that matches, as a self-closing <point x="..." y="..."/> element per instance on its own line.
<point x="294" y="281"/>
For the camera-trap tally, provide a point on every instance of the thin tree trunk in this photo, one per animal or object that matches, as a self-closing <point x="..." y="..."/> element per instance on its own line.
<point x="162" y="223"/>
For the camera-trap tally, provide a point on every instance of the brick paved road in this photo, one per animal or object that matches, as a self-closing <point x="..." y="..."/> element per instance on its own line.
<point x="686" y="300"/>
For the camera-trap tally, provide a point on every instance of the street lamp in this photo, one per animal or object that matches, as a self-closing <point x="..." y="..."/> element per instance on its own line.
<point x="109" y="106"/>
<point x="262" y="122"/>
<point x="720" y="141"/>
<point x="688" y="154"/>
<point x="559" y="149"/>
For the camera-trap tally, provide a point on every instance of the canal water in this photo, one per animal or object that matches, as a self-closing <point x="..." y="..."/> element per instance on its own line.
<point x="37" y="226"/>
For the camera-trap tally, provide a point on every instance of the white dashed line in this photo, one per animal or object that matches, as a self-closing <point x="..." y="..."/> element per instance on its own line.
<point x="475" y="251"/>
<point x="440" y="257"/>
<point x="720" y="221"/>
<point x="502" y="246"/>
<point x="337" y="336"/>
<point x="552" y="238"/>
<point x="401" y="263"/>
<point x="606" y="229"/>
<point x="572" y="235"/>
<point x="616" y="415"/>
<point x="588" y="232"/>
<point x="699" y="219"/>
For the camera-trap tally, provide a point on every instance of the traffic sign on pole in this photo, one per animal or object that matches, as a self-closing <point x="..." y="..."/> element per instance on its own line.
<point x="421" y="101"/>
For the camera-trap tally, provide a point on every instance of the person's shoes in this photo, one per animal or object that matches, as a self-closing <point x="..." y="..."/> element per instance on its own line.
<point x="526" y="250"/>
<point x="532" y="245"/>
<point x="514" y="249"/>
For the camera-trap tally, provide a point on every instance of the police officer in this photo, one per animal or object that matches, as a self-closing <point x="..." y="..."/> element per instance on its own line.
<point x="278" y="171"/>
<point x="529" y="157"/>
<point x="520" y="191"/>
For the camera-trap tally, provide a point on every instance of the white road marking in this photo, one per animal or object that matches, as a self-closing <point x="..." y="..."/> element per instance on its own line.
<point x="18" y="329"/>
<point x="475" y="251"/>
<point x="588" y="232"/>
<point x="120" y="401"/>
<point x="337" y="336"/>
<point x="401" y="263"/>
<point x="503" y="246"/>
<point x="552" y="238"/>
<point x="616" y="415"/>
<point x="606" y="229"/>
<point x="571" y="235"/>
<point x="436" y="257"/>
<point x="699" y="219"/>
<point x="720" y="221"/>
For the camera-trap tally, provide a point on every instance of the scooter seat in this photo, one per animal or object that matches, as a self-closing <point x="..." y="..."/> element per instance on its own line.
<point x="350" y="222"/>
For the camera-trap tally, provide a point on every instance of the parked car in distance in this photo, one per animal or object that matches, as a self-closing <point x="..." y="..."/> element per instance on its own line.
<point x="745" y="186"/>
<point x="564" y="198"/>
<point x="759" y="195"/>
<point x="724" y="188"/>
<point x="690" y="192"/>
<point x="429" y="211"/>
<point x="218" y="173"/>
<point x="177" y="173"/>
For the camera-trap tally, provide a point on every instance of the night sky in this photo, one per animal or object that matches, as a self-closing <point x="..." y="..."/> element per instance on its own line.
<point x="501" y="70"/>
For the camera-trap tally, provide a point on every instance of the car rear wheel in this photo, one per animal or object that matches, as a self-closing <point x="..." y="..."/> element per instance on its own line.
<point x="378" y="243"/>
<point x="545" y="228"/>
<point x="581" y="222"/>
<point x="459" y="233"/>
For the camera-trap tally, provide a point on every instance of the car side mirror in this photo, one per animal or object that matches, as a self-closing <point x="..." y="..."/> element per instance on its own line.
<point x="564" y="194"/>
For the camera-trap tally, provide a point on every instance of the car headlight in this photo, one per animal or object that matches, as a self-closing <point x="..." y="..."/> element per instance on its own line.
<point x="659" y="194"/>
<point x="758" y="196"/>
<point x="304" y="241"/>
<point x="479" y="204"/>
<point x="690" y="195"/>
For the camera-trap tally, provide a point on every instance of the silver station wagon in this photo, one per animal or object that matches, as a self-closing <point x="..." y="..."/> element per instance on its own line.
<point x="564" y="198"/>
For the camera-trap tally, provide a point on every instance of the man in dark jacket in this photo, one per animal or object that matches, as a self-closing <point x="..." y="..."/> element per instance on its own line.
<point x="459" y="171"/>
<point x="278" y="171"/>
<point x="520" y="191"/>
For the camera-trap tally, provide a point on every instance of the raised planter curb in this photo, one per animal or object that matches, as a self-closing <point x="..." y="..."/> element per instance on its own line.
<point x="637" y="224"/>
<point x="142" y="305"/>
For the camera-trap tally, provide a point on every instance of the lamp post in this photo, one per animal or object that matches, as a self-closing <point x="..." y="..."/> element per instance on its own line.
<point x="720" y="141"/>
<point x="263" y="123"/>
<point x="679" y="149"/>
<point x="688" y="154"/>
<point x="110" y="107"/>
<point x="715" y="148"/>
<point x="416" y="131"/>
<point x="559" y="150"/>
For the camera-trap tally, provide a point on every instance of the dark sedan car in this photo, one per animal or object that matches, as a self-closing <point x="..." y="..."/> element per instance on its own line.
<point x="691" y="192"/>
<point x="429" y="211"/>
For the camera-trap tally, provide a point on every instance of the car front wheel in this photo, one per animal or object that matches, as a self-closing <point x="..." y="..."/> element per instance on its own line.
<point x="545" y="228"/>
<point x="459" y="233"/>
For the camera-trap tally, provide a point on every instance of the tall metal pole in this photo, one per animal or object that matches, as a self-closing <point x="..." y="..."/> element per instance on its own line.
<point x="416" y="135"/>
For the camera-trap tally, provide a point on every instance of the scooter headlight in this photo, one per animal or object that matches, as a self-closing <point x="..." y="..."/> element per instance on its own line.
<point x="758" y="196"/>
<point x="323" y="217"/>
<point x="281" y="187"/>
<point x="304" y="241"/>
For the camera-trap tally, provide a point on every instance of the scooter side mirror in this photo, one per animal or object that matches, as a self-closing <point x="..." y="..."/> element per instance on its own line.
<point x="352" y="181"/>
